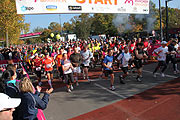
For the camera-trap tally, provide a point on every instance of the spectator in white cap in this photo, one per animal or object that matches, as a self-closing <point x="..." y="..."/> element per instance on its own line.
<point x="161" y="53"/>
<point x="7" y="106"/>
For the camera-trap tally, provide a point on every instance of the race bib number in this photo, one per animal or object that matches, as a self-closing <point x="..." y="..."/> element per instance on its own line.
<point x="49" y="65"/>
<point x="109" y="64"/>
<point x="38" y="69"/>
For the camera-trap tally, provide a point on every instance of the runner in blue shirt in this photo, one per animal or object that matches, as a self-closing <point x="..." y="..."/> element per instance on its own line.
<point x="107" y="63"/>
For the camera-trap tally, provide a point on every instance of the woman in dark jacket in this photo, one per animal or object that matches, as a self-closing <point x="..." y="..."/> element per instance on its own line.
<point x="11" y="84"/>
<point x="30" y="101"/>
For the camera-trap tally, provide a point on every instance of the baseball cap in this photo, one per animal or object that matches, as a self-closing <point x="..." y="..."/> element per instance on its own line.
<point x="163" y="42"/>
<point x="7" y="102"/>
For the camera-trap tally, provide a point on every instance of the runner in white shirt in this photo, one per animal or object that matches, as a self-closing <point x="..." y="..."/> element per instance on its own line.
<point x="68" y="72"/>
<point x="161" y="53"/>
<point x="86" y="57"/>
<point x="124" y="59"/>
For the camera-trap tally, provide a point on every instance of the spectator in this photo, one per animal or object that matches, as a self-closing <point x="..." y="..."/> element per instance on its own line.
<point x="31" y="101"/>
<point x="7" y="106"/>
<point x="11" y="87"/>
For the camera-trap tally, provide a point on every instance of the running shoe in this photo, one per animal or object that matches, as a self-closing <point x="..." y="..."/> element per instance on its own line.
<point x="176" y="72"/>
<point x="71" y="87"/>
<point x="154" y="75"/>
<point x="84" y="77"/>
<point x="162" y="75"/>
<point x="138" y="79"/>
<point x="69" y="90"/>
<point x="89" y="80"/>
<point x="77" y="84"/>
<point x="121" y="80"/>
<point x="112" y="88"/>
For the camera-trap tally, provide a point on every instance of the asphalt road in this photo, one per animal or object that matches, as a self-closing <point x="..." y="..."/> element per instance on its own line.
<point x="90" y="96"/>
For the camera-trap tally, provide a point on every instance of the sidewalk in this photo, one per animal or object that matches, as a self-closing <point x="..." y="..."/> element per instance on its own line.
<point x="159" y="103"/>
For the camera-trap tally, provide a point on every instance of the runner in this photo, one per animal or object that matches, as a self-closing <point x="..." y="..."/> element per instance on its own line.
<point x="48" y="63"/>
<point x="86" y="56"/>
<point x="37" y="61"/>
<point x="139" y="56"/>
<point x="108" y="67"/>
<point x="132" y="45"/>
<point x="161" y="53"/>
<point x="58" y="64"/>
<point x="96" y="49"/>
<point x="124" y="59"/>
<point x="172" y="56"/>
<point x="76" y="59"/>
<point x="68" y="73"/>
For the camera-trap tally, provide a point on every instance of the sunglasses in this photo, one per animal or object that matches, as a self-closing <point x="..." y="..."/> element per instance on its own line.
<point x="8" y="109"/>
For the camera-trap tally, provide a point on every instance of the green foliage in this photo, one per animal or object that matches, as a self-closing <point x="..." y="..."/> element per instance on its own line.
<point x="11" y="22"/>
<point x="54" y="27"/>
<point x="82" y="26"/>
<point x="45" y="35"/>
<point x="38" y="29"/>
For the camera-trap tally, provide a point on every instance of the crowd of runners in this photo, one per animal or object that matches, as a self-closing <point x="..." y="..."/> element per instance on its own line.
<point x="72" y="59"/>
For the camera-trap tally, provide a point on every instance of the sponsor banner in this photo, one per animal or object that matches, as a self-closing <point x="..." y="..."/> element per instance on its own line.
<point x="30" y="34"/>
<point x="82" y="6"/>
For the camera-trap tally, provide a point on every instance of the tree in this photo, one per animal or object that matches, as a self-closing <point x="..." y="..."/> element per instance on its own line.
<point x="38" y="29"/>
<point x="173" y="17"/>
<point x="11" y="23"/>
<point x="54" y="27"/>
<point x="102" y="24"/>
<point x="45" y="35"/>
<point x="68" y="27"/>
<point x="83" y="26"/>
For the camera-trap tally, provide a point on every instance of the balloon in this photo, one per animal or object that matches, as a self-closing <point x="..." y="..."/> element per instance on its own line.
<point x="52" y="35"/>
<point x="58" y="36"/>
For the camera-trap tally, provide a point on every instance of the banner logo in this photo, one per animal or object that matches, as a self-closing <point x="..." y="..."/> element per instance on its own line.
<point x="51" y="7"/>
<point x="129" y="1"/>
<point x="75" y="8"/>
<point x="24" y="8"/>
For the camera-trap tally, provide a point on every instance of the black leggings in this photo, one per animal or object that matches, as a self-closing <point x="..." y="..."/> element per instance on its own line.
<point x="161" y="63"/>
<point x="173" y="60"/>
<point x="69" y="78"/>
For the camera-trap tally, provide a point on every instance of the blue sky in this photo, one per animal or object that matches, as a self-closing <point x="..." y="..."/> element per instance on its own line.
<point x="45" y="19"/>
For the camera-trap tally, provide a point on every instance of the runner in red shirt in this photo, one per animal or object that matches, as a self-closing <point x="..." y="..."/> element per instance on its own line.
<point x="132" y="45"/>
<point x="37" y="67"/>
<point x="48" y="63"/>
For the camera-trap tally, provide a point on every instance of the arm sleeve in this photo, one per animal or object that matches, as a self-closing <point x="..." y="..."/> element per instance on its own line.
<point x="11" y="92"/>
<point x="105" y="60"/>
<point x="90" y="54"/>
<point x="156" y="50"/>
<point x="119" y="57"/>
<point x="62" y="62"/>
<point x="42" y="103"/>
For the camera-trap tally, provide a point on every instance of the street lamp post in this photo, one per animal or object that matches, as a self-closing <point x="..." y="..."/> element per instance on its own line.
<point x="60" y="22"/>
<point x="167" y="20"/>
<point x="7" y="39"/>
<point x="160" y="15"/>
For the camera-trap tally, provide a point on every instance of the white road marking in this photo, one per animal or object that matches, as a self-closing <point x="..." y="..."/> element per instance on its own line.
<point x="121" y="96"/>
<point x="170" y="76"/>
<point x="110" y="91"/>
